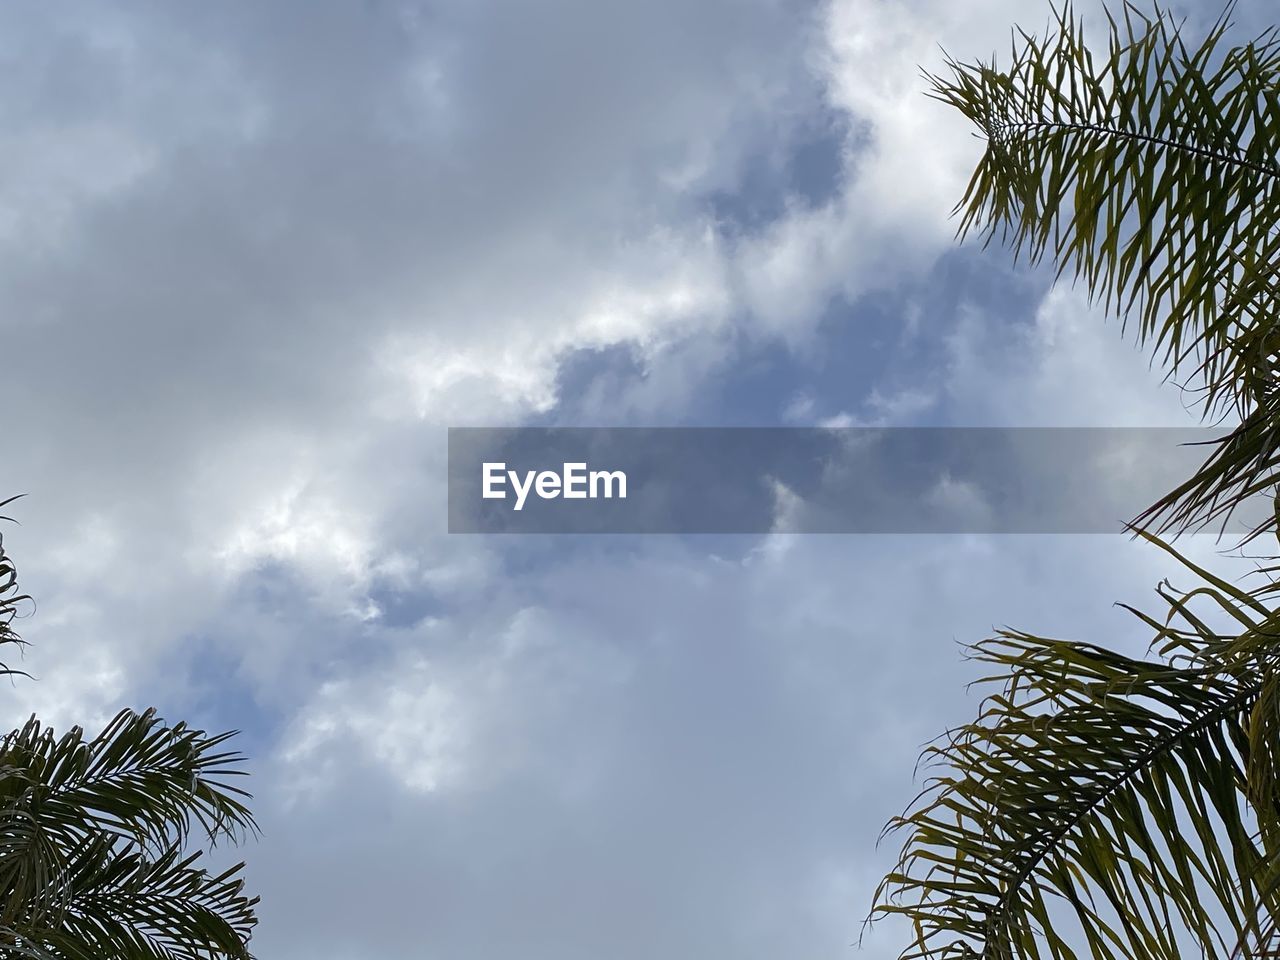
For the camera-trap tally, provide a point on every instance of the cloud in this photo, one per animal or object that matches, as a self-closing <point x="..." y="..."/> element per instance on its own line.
<point x="233" y="344"/>
<point x="695" y="747"/>
<point x="410" y="725"/>
<point x="308" y="234"/>
<point x="1067" y="365"/>
<point x="256" y="256"/>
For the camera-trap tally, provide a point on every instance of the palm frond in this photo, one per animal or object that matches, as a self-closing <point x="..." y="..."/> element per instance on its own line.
<point x="1148" y="172"/>
<point x="140" y="779"/>
<point x="126" y="904"/>
<point x="93" y="835"/>
<point x="94" y="825"/>
<point x="11" y="601"/>
<point x="1106" y="806"/>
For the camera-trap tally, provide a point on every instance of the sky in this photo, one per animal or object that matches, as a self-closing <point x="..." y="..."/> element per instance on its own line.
<point x="258" y="257"/>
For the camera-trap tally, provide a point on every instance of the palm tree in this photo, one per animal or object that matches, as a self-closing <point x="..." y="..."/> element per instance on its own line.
<point x="94" y="832"/>
<point x="1102" y="805"/>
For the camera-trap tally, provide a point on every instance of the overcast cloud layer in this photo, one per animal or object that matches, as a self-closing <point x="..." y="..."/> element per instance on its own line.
<point x="256" y="257"/>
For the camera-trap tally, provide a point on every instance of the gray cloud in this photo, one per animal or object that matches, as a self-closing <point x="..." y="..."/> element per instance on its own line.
<point x="256" y="255"/>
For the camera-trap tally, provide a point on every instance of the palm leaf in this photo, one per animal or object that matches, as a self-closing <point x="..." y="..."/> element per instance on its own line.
<point x="11" y="601"/>
<point x="1107" y="806"/>
<point x="125" y="904"/>
<point x="91" y="832"/>
<point x="1147" y="172"/>
<point x="93" y="836"/>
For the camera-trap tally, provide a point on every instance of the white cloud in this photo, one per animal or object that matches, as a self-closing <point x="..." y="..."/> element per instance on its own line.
<point x="1068" y="367"/>
<point x="411" y="725"/>
<point x="279" y="259"/>
<point x="709" y="731"/>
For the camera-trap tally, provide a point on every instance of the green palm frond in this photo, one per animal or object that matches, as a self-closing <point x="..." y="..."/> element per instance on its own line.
<point x="92" y="834"/>
<point x="11" y="601"/>
<point x="125" y="904"/>
<point x="1148" y="170"/>
<point x="1106" y="806"/>
<point x="139" y="778"/>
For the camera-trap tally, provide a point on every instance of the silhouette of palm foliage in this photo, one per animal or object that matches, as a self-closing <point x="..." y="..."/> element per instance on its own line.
<point x="94" y="834"/>
<point x="1102" y="805"/>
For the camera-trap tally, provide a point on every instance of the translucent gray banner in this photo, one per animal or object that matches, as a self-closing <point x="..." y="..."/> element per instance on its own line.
<point x="803" y="480"/>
